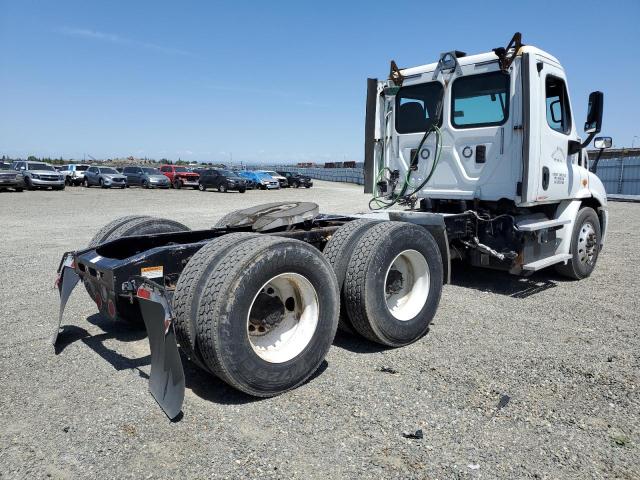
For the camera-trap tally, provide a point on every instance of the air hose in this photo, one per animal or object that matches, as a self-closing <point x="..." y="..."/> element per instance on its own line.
<point x="403" y="196"/>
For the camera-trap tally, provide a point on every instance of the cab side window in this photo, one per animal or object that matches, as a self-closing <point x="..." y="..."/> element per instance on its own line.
<point x="557" y="105"/>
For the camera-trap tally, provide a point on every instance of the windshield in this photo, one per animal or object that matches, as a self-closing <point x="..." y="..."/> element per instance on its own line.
<point x="227" y="173"/>
<point x="41" y="166"/>
<point x="111" y="171"/>
<point x="416" y="107"/>
<point x="81" y="168"/>
<point x="151" y="171"/>
<point x="269" y="172"/>
<point x="180" y="169"/>
<point x="264" y="176"/>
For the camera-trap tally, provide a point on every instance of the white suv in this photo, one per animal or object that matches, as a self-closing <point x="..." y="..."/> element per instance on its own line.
<point x="73" y="174"/>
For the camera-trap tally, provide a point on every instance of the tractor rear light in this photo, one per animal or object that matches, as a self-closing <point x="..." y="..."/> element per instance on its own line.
<point x="98" y="300"/>
<point x="143" y="293"/>
<point x="111" y="308"/>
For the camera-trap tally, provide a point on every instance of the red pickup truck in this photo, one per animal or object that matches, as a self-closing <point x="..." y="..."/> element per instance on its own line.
<point x="180" y="176"/>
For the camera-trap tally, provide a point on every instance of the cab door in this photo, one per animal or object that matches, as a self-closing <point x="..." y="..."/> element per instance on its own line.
<point x="556" y="175"/>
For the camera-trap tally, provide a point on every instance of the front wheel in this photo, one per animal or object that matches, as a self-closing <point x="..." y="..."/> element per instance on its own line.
<point x="177" y="184"/>
<point x="222" y="188"/>
<point x="28" y="183"/>
<point x="86" y="183"/>
<point x="585" y="246"/>
<point x="102" y="184"/>
<point x="202" y="187"/>
<point x="145" y="184"/>
<point x="242" y="190"/>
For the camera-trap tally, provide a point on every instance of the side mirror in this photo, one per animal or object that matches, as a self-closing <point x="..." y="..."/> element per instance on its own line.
<point x="594" y="113"/>
<point x="602" y="142"/>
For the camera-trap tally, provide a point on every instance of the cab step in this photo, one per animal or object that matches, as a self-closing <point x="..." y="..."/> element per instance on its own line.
<point x="533" y="225"/>
<point x="546" y="262"/>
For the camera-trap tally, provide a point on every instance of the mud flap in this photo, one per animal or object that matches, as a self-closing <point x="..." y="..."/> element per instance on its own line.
<point x="66" y="282"/>
<point x="166" y="383"/>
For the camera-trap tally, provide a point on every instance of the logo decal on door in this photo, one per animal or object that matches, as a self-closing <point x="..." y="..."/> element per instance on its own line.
<point x="558" y="155"/>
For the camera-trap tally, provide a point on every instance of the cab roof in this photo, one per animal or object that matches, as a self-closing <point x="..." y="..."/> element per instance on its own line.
<point x="478" y="58"/>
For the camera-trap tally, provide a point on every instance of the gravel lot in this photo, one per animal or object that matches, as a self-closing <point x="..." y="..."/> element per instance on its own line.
<point x="517" y="378"/>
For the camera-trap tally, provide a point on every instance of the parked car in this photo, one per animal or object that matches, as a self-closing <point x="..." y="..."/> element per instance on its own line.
<point x="39" y="175"/>
<point x="106" y="177"/>
<point x="250" y="183"/>
<point x="223" y="180"/>
<point x="296" y="180"/>
<point x="10" y="178"/>
<point x="180" y="176"/>
<point x="73" y="174"/>
<point x="281" y="179"/>
<point x="262" y="180"/>
<point x="146" y="177"/>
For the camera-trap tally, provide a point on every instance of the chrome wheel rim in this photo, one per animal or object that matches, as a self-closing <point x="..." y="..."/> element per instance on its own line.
<point x="587" y="244"/>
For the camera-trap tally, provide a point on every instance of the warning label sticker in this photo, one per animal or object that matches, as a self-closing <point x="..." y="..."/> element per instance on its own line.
<point x="151" y="272"/>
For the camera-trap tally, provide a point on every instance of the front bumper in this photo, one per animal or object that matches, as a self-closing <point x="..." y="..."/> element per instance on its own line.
<point x="153" y="184"/>
<point x="236" y="186"/>
<point x="189" y="182"/>
<point x="115" y="183"/>
<point x="12" y="182"/>
<point x="39" y="182"/>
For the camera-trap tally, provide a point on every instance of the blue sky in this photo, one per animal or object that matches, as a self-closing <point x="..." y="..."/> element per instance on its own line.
<point x="269" y="81"/>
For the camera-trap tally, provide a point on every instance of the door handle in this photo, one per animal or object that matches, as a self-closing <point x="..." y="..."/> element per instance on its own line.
<point x="481" y="154"/>
<point x="545" y="178"/>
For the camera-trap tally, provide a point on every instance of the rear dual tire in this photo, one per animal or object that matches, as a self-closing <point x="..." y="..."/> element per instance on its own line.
<point x="392" y="283"/>
<point x="261" y="310"/>
<point x="338" y="252"/>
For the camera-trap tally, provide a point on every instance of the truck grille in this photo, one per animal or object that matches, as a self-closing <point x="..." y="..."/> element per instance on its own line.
<point x="49" y="178"/>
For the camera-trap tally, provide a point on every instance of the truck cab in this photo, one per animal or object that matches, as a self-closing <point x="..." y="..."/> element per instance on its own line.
<point x="490" y="134"/>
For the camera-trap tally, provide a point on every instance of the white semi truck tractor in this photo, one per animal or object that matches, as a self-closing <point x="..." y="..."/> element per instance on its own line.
<point x="474" y="157"/>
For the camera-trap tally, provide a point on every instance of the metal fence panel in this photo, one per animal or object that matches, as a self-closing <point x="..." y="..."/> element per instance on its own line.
<point x="620" y="175"/>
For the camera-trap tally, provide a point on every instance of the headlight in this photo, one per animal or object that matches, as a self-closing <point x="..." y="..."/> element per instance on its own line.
<point x="34" y="175"/>
<point x="18" y="177"/>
